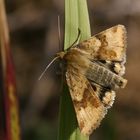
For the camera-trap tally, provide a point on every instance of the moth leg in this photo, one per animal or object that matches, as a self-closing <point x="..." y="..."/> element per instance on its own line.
<point x="109" y="98"/>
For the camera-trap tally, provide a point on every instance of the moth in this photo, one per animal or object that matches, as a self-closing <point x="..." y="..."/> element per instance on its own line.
<point x="94" y="70"/>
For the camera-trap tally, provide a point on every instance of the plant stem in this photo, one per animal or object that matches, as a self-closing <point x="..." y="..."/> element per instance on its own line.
<point x="76" y="16"/>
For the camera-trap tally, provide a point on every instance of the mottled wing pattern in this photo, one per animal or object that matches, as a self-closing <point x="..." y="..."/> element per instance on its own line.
<point x="89" y="109"/>
<point x="113" y="48"/>
<point x="113" y="43"/>
<point x="94" y="71"/>
<point x="107" y="45"/>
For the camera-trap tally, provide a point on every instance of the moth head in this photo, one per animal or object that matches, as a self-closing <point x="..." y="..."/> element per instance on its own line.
<point x="61" y="54"/>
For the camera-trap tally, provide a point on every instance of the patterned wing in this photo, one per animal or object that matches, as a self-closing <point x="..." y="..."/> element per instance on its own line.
<point x="89" y="109"/>
<point x="107" y="45"/>
<point x="113" y="48"/>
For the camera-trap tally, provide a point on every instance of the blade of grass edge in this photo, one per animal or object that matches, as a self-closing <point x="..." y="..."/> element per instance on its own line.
<point x="76" y="16"/>
<point x="83" y="16"/>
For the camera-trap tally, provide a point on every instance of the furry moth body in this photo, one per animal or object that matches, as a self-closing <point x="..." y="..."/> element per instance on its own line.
<point x="94" y="70"/>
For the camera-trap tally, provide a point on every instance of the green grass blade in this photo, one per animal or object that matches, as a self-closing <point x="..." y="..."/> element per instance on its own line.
<point x="83" y="19"/>
<point x="76" y="16"/>
<point x="71" y="22"/>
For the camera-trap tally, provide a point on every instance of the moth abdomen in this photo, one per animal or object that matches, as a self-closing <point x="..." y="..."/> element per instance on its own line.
<point x="104" y="77"/>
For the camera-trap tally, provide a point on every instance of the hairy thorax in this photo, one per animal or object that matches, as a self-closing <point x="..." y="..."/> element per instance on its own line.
<point x="77" y="59"/>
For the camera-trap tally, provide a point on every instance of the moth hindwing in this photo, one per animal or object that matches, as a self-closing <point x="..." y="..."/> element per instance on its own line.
<point x="94" y="70"/>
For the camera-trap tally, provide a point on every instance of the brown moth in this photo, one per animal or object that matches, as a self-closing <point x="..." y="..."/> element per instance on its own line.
<point x="94" y="70"/>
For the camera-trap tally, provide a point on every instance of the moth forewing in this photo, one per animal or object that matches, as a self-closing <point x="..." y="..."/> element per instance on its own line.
<point x="107" y="45"/>
<point x="113" y="43"/>
<point x="88" y="107"/>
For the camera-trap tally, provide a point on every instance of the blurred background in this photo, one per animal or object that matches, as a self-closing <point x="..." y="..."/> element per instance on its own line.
<point x="34" y="41"/>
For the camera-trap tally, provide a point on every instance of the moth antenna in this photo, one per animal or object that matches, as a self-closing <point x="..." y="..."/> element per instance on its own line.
<point x="59" y="32"/>
<point x="48" y="67"/>
<point x="77" y="39"/>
